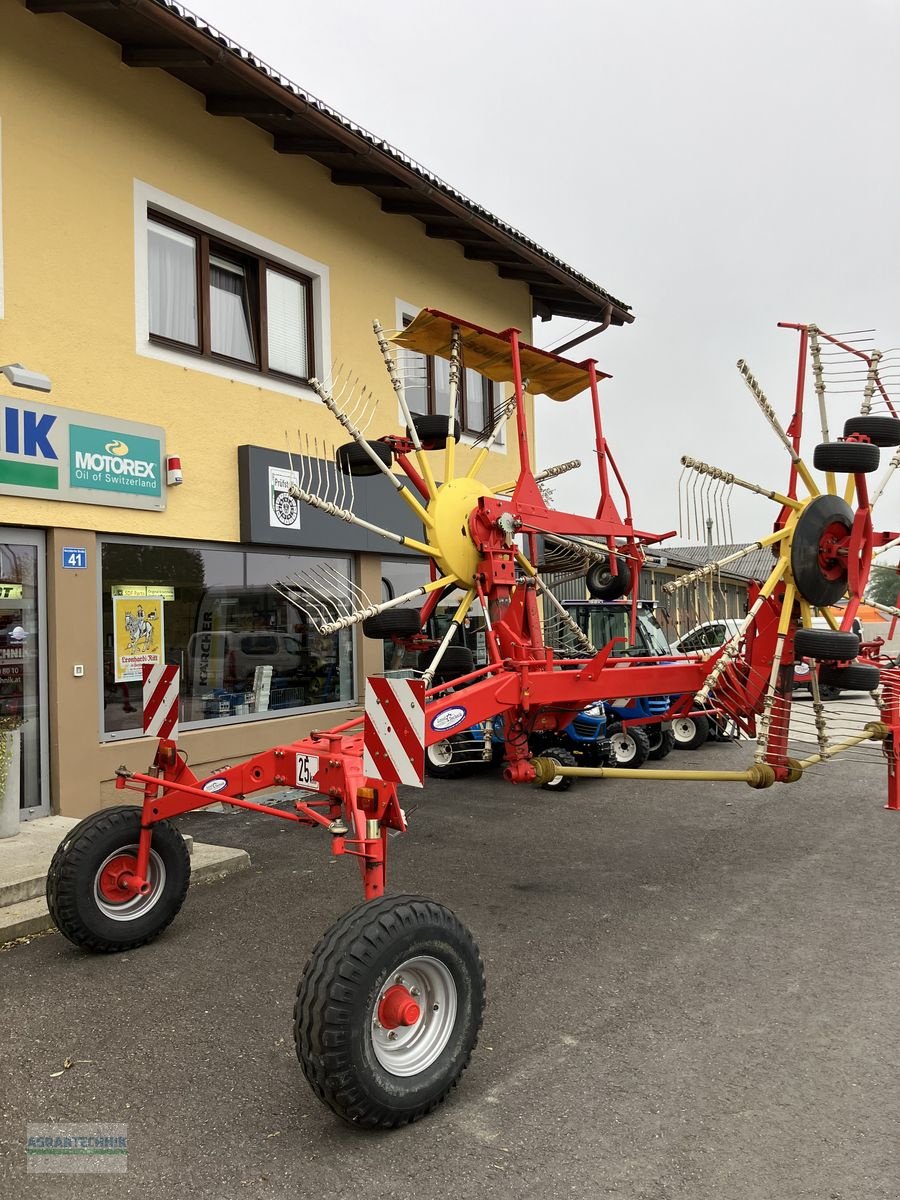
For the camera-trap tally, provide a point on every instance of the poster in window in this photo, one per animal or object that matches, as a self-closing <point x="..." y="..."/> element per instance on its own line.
<point x="284" y="509"/>
<point x="138" y="635"/>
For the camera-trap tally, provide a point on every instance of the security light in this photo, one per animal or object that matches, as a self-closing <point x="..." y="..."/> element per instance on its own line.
<point x="20" y="376"/>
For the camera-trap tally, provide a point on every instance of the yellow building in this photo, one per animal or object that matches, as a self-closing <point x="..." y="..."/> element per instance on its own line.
<point x="186" y="240"/>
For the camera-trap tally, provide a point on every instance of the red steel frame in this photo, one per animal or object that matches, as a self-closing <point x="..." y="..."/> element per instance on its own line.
<point x="523" y="682"/>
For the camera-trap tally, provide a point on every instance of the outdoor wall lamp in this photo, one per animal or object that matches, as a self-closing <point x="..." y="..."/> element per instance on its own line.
<point x="20" y="376"/>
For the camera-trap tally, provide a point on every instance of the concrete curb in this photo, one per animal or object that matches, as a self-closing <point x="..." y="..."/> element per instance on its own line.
<point x="29" y="914"/>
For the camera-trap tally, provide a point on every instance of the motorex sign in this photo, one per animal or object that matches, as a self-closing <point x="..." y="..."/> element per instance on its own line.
<point x="60" y="454"/>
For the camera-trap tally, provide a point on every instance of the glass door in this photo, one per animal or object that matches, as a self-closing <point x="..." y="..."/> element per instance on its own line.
<point x="23" y="671"/>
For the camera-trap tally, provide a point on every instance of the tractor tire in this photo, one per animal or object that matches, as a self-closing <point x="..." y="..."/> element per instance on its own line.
<point x="856" y="678"/>
<point x="83" y="896"/>
<point x="388" y="1011"/>
<point x="661" y="741"/>
<point x="394" y="622"/>
<point x="603" y="585"/>
<point x="881" y="431"/>
<point x="457" y="661"/>
<point x="847" y="458"/>
<point x="690" y="733"/>
<point x="631" y="746"/>
<point x="452" y="758"/>
<point x="825" y="644"/>
<point x="565" y="758"/>
<point x="432" y="430"/>
<point x="351" y="459"/>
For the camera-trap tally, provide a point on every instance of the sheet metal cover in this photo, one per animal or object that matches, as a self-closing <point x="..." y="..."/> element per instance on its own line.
<point x="490" y="355"/>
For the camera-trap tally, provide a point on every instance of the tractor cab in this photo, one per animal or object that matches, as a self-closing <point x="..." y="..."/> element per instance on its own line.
<point x="602" y="621"/>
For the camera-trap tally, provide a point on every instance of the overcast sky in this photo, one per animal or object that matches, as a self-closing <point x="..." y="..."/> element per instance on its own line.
<point x="718" y="166"/>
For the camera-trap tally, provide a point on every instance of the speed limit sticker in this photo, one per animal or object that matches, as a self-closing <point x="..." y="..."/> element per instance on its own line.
<point x="307" y="770"/>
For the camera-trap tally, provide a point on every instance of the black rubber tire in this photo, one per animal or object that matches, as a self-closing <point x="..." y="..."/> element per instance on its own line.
<point x="661" y="742"/>
<point x="432" y="430"/>
<point x="812" y="583"/>
<point x="881" y="431"/>
<point x="847" y="458"/>
<point x="335" y="1009"/>
<point x="457" y="661"/>
<point x="640" y="750"/>
<point x="827" y="692"/>
<point x="351" y="459"/>
<point x="687" y="738"/>
<point x="828" y="644"/>
<point x="394" y="622"/>
<point x="859" y="677"/>
<point x="565" y="758"/>
<point x="463" y="757"/>
<point x="71" y="880"/>
<point x="603" y="585"/>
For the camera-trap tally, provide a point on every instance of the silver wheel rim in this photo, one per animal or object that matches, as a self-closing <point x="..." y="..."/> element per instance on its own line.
<point x="411" y="1049"/>
<point x="624" y="746"/>
<point x="440" y="754"/>
<point x="137" y="906"/>
<point x="684" y="729"/>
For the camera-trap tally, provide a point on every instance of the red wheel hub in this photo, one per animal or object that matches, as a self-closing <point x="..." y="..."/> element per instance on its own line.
<point x="397" y="1007"/>
<point x="117" y="879"/>
<point x="833" y="551"/>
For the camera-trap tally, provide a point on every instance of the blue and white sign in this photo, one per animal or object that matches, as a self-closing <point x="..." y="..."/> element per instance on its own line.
<point x="74" y="558"/>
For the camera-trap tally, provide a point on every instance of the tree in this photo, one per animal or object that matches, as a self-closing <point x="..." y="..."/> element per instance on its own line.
<point x="884" y="586"/>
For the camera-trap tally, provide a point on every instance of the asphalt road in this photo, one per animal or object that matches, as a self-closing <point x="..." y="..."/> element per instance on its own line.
<point x="693" y="992"/>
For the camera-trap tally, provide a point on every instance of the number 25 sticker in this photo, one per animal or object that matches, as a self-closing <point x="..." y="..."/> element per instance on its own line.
<point x="307" y="770"/>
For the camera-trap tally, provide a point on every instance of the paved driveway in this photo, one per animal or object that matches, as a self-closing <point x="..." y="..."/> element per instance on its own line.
<point x="693" y="992"/>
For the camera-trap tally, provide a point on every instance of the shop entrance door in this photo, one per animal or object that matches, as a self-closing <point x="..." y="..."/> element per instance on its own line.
<point x="23" y="662"/>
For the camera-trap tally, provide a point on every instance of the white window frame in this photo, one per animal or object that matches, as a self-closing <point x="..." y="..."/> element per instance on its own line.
<point x="404" y="311"/>
<point x="147" y="198"/>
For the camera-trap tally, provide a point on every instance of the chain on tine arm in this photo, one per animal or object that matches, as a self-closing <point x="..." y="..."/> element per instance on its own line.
<point x="815" y="350"/>
<point x="682" y="581"/>
<point x="548" y="473"/>
<point x="871" y="381"/>
<point x="399" y="387"/>
<point x="455" y="371"/>
<point x="702" y="468"/>
<point x="345" y="514"/>
<point x="769" y="413"/>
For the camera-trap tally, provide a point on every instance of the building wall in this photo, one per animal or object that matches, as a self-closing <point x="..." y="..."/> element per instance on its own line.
<point x="80" y="133"/>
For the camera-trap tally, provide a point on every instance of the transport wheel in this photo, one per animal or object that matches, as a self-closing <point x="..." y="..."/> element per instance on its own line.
<point x="817" y="564"/>
<point x="565" y="758"/>
<point x="846" y="457"/>
<point x="388" y="1010"/>
<point x="432" y="430"/>
<point x="603" y="585"/>
<point x="825" y="644"/>
<point x="661" y="742"/>
<point x="856" y="678"/>
<point x="353" y="460"/>
<point x="395" y="622"/>
<point x="630" y="746"/>
<point x="457" y="661"/>
<point x="690" y="732"/>
<point x="87" y="884"/>
<point x="881" y="431"/>
<point x="452" y="758"/>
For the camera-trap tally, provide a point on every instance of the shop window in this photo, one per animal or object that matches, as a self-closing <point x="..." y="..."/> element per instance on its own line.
<point x="428" y="391"/>
<point x="245" y="653"/>
<point x="214" y="298"/>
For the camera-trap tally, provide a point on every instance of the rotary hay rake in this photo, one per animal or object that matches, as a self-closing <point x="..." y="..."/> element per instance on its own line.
<point x="390" y="1003"/>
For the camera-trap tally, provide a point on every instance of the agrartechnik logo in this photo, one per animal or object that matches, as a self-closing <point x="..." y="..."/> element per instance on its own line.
<point x="86" y="1148"/>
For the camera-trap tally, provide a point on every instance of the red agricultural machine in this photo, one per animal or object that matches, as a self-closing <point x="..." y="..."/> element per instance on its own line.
<point x="390" y="1003"/>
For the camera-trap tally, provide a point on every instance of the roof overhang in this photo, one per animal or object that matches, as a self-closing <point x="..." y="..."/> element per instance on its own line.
<point x="162" y="35"/>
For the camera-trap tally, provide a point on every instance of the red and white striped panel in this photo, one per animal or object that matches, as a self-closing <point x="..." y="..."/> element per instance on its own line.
<point x="394" y="731"/>
<point x="161" y="701"/>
